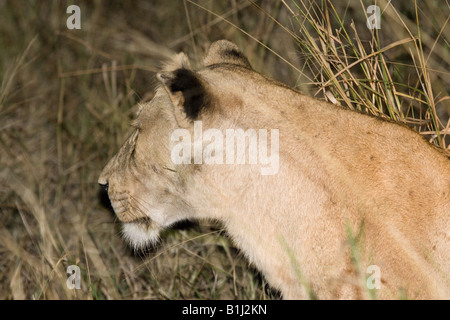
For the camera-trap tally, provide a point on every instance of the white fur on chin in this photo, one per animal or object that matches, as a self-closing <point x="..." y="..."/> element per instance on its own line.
<point x="139" y="236"/>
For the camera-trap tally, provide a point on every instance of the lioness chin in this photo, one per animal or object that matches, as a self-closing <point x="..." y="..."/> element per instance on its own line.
<point x="349" y="193"/>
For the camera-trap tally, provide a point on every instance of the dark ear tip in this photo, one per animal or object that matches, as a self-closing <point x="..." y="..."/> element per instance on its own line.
<point x="224" y="51"/>
<point x="188" y="83"/>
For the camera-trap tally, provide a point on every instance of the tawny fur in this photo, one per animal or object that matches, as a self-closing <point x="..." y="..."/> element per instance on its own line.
<point x="342" y="176"/>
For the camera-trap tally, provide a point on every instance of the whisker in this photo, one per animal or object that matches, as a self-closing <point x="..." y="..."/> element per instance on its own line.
<point x="120" y="196"/>
<point x="139" y="200"/>
<point x="141" y="205"/>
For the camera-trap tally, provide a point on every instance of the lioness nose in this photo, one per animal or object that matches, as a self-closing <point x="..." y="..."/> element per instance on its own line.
<point x="104" y="185"/>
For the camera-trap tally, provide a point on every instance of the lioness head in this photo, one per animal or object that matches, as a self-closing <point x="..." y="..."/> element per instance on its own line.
<point x="147" y="190"/>
<point x="339" y="172"/>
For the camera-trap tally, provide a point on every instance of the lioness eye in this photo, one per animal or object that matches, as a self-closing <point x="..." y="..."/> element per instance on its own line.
<point x="133" y="150"/>
<point x="139" y="110"/>
<point x="136" y="124"/>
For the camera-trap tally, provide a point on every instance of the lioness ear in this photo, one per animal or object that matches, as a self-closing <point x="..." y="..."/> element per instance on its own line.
<point x="224" y="51"/>
<point x="185" y="90"/>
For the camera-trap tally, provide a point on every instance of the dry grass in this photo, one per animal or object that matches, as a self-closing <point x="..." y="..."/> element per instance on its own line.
<point x="67" y="97"/>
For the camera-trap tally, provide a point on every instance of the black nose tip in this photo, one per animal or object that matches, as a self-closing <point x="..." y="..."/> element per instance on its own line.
<point x="104" y="186"/>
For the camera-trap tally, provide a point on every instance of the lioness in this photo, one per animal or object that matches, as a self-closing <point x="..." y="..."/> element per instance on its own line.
<point x="356" y="205"/>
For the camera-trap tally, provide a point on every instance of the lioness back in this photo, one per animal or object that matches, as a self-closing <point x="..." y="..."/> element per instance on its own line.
<point x="326" y="202"/>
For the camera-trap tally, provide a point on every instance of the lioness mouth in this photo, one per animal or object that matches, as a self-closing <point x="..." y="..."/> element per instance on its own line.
<point x="143" y="222"/>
